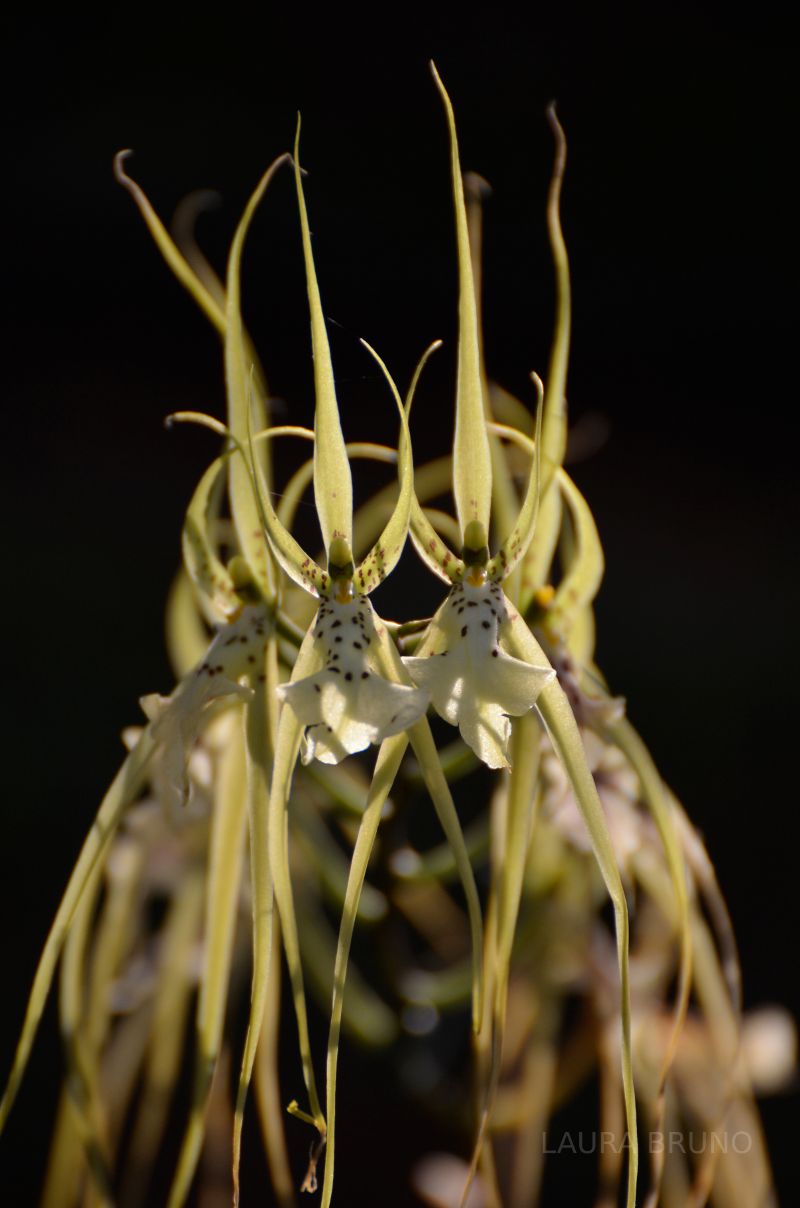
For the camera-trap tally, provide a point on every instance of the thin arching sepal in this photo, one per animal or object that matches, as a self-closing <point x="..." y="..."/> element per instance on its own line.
<point x="203" y="566"/>
<point x="299" y="566"/>
<point x="554" y="432"/>
<point x="333" y="488"/>
<point x="238" y="372"/>
<point x="472" y="463"/>
<point x="516" y="545"/>
<point x="166" y="245"/>
<point x="384" y="554"/>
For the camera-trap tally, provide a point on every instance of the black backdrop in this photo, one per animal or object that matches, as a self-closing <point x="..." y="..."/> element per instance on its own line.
<point x="678" y="212"/>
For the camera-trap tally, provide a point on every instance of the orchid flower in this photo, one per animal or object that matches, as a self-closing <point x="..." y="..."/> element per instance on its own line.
<point x="348" y="703"/>
<point x="473" y="682"/>
<point x="348" y="687"/>
<point x="237" y="652"/>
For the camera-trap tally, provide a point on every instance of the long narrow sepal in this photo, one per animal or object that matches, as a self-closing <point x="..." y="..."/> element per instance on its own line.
<point x="563" y="730"/>
<point x="385" y="553"/>
<point x="209" y="576"/>
<point x="299" y="566"/>
<point x="225" y="866"/>
<point x="124" y="789"/>
<point x="472" y="463"/>
<point x="430" y="766"/>
<point x="387" y="766"/>
<point x="238" y="371"/>
<point x="518" y="541"/>
<point x="333" y="487"/>
<point x="287" y="747"/>
<point x="166" y="245"/>
<point x="258" y="771"/>
<point x="583" y="573"/>
<point x="554" y="433"/>
<point x="429" y="545"/>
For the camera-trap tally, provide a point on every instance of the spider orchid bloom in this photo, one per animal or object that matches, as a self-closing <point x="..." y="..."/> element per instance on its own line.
<point x="347" y="703"/>
<point x="475" y="684"/>
<point x="236" y="653"/>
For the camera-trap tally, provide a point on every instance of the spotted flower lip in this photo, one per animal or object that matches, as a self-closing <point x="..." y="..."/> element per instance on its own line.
<point x="236" y="652"/>
<point x="473" y="683"/>
<point x="348" y="704"/>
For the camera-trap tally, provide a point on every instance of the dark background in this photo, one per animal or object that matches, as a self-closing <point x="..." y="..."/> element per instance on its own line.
<point x="679" y="211"/>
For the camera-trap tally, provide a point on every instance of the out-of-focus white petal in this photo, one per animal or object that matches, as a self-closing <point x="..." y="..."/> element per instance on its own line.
<point x="236" y="651"/>
<point x="349" y="704"/>
<point x="473" y="683"/>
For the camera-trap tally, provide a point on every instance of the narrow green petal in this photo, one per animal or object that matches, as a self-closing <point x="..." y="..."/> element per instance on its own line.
<point x="267" y="1087"/>
<point x="258" y="772"/>
<point x="183" y="226"/>
<point x="437" y="786"/>
<point x="537" y="566"/>
<point x="365" y="1016"/>
<point x="385" y="553"/>
<point x="431" y="547"/>
<point x="504" y="496"/>
<point x="431" y="770"/>
<point x="333" y="487"/>
<point x="386" y="768"/>
<point x="431" y="479"/>
<point x="124" y="789"/>
<point x="623" y="735"/>
<point x="554" y="428"/>
<point x="287" y="747"/>
<point x="516" y="544"/>
<point x="298" y="484"/>
<point x="565" y="736"/>
<point x="226" y="859"/>
<point x="66" y="1160"/>
<point x="202" y="564"/>
<point x="328" y="861"/>
<point x="472" y="464"/>
<point x="584" y="572"/>
<point x="445" y="525"/>
<point x="166" y="1035"/>
<point x="166" y="245"/>
<point x="521" y="810"/>
<point x="299" y="566"/>
<point x="239" y="369"/>
<point x="434" y="478"/>
<point x="186" y="636"/>
<point x="82" y="1075"/>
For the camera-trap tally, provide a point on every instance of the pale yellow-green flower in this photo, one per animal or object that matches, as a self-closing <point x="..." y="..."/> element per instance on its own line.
<point x="474" y="684"/>
<point x="235" y="654"/>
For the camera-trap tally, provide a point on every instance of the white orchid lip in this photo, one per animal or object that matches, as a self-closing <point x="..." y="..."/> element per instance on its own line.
<point x="349" y="704"/>
<point x="472" y="682"/>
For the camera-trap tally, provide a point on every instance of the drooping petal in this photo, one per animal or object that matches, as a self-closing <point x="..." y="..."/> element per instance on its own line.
<point x="349" y="704"/>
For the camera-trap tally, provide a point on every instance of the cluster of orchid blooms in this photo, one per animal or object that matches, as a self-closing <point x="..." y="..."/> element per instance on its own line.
<point x="479" y="662"/>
